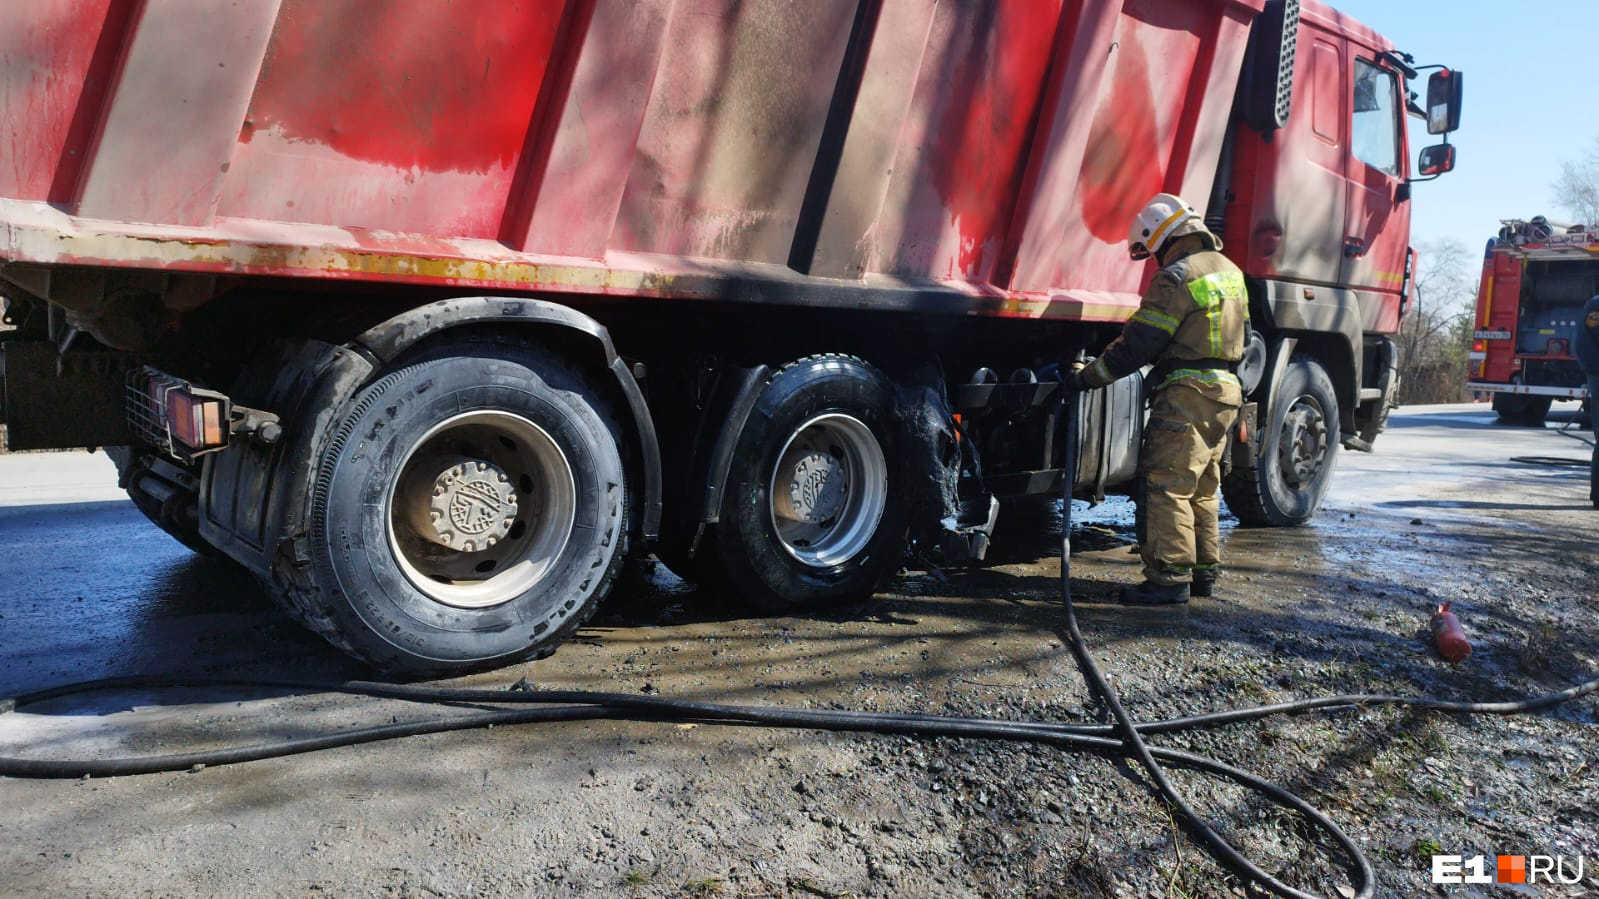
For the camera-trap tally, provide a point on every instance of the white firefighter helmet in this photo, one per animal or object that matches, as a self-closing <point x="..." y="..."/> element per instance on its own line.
<point x="1157" y="222"/>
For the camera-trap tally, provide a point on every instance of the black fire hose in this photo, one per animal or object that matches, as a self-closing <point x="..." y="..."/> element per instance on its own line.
<point x="1119" y="739"/>
<point x="1552" y="461"/>
<point x="1133" y="741"/>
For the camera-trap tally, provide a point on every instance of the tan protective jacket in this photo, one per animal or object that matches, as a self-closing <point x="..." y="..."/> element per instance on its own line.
<point x="1192" y="323"/>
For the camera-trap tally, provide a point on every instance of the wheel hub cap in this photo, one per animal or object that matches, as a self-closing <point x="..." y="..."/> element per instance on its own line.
<point x="828" y="490"/>
<point x="1303" y="444"/>
<point x="482" y="509"/>
<point x="817" y="489"/>
<point x="472" y="507"/>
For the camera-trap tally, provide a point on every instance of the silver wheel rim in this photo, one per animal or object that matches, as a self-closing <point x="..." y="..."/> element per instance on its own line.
<point x="482" y="508"/>
<point x="1303" y="449"/>
<point x="828" y="491"/>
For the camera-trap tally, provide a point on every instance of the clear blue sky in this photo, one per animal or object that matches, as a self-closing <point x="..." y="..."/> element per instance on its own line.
<point x="1529" y="104"/>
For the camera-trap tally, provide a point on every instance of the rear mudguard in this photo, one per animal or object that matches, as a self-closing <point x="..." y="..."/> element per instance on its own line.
<point x="253" y="497"/>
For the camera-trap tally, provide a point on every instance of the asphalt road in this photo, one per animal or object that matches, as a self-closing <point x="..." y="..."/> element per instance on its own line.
<point x="89" y="589"/>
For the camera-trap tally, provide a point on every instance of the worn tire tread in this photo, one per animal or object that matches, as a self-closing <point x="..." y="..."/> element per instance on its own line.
<point x="294" y="587"/>
<point x="1245" y="492"/>
<point x="712" y="566"/>
<point x="1245" y="497"/>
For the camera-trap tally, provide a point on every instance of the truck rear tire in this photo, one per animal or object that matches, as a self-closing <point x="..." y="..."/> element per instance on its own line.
<point x="1298" y="454"/>
<point x="469" y="511"/>
<point x="814" y="513"/>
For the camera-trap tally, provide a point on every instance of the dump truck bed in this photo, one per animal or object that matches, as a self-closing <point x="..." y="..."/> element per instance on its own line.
<point x="970" y="157"/>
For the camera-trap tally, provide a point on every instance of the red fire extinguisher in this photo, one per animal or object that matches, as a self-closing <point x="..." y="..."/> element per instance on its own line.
<point x="1448" y="636"/>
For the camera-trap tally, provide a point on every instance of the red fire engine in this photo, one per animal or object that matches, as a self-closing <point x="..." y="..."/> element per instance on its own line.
<point x="1536" y="277"/>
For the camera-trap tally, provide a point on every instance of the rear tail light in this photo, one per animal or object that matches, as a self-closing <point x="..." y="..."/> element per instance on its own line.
<point x="196" y="422"/>
<point x="175" y="416"/>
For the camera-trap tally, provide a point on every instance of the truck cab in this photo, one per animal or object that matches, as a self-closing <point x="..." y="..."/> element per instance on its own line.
<point x="1316" y="212"/>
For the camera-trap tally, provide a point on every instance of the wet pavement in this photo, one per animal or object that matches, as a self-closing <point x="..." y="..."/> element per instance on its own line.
<point x="91" y="589"/>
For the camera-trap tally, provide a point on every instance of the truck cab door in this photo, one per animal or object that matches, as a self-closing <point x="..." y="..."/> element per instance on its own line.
<point x="1301" y="202"/>
<point x="1377" y="223"/>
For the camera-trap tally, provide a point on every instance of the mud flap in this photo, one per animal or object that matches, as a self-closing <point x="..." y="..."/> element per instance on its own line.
<point x="1243" y="441"/>
<point x="252" y="495"/>
<point x="1371" y="417"/>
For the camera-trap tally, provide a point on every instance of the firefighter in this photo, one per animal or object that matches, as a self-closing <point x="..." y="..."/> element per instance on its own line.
<point x="1588" y="358"/>
<point x="1192" y="324"/>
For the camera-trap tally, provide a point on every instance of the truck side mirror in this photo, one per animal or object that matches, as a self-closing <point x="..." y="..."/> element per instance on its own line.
<point x="1436" y="160"/>
<point x="1443" y="101"/>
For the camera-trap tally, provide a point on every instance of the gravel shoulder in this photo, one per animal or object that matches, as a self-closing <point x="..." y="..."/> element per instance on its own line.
<point x="649" y="809"/>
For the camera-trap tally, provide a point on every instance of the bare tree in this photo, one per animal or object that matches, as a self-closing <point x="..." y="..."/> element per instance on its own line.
<point x="1577" y="188"/>
<point x="1435" y="336"/>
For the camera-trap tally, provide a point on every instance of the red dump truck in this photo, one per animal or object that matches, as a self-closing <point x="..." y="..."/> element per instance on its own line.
<point x="1536" y="277"/>
<point x="429" y="317"/>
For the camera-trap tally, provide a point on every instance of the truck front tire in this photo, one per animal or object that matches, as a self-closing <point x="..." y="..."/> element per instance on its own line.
<point x="1298" y="454"/>
<point x="469" y="511"/>
<point x="814" y="511"/>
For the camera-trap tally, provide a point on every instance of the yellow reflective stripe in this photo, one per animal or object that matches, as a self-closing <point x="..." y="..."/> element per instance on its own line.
<point x="1154" y="238"/>
<point x="1157" y="319"/>
<point x="1209" y="292"/>
<point x="1205" y="375"/>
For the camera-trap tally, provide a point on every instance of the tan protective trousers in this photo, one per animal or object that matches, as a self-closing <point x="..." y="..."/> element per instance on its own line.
<point x="1181" y="465"/>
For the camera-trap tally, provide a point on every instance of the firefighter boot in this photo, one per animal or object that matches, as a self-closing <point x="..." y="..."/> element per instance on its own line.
<point x="1204" y="582"/>
<point x="1150" y="593"/>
